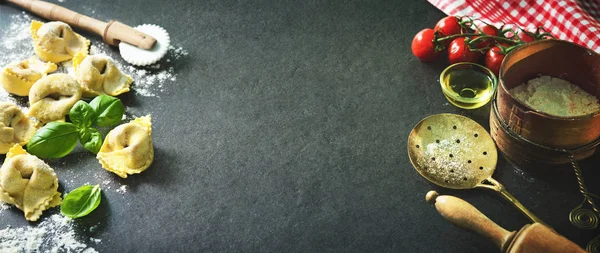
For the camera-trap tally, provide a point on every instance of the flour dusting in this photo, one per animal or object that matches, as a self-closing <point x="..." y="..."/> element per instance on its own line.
<point x="122" y="189"/>
<point x="16" y="44"/>
<point x="55" y="234"/>
<point x="4" y="206"/>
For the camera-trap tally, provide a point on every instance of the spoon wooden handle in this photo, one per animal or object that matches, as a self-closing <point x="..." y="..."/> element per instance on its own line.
<point x="112" y="32"/>
<point x="466" y="216"/>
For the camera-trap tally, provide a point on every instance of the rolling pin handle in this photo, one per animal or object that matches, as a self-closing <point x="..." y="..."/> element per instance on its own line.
<point x="115" y="32"/>
<point x="466" y="216"/>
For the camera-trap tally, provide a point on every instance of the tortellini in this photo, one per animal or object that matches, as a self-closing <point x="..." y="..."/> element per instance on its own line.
<point x="56" y="41"/>
<point x="15" y="127"/>
<point x="98" y="75"/>
<point x="18" y="77"/>
<point x="28" y="183"/>
<point x="128" y="148"/>
<point x="52" y="97"/>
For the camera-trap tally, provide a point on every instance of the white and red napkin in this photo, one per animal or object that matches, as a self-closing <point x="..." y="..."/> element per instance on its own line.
<point x="577" y="21"/>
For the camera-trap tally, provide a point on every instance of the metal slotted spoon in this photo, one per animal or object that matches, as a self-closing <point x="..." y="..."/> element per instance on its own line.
<point x="455" y="152"/>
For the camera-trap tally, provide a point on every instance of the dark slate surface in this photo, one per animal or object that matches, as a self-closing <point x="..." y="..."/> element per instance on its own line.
<point x="286" y="131"/>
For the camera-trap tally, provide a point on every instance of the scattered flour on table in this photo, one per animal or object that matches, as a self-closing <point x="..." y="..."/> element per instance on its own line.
<point x="4" y="206"/>
<point x="95" y="240"/>
<point x="66" y="67"/>
<point x="524" y="175"/>
<point x="16" y="42"/>
<point x="122" y="189"/>
<point x="54" y="234"/>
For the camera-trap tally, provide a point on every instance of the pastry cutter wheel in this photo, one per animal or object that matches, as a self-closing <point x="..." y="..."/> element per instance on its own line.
<point x="455" y="152"/>
<point x="142" y="45"/>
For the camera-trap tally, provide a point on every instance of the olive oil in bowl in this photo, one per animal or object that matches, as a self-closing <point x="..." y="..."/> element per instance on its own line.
<point x="468" y="85"/>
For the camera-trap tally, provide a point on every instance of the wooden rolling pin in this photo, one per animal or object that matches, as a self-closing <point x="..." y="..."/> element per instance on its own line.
<point x="112" y="32"/>
<point x="532" y="238"/>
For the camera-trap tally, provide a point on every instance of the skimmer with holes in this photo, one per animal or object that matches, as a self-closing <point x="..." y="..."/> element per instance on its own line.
<point x="456" y="152"/>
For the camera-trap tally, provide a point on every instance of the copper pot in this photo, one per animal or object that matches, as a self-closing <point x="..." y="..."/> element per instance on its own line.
<point x="556" y="58"/>
<point x="532" y="156"/>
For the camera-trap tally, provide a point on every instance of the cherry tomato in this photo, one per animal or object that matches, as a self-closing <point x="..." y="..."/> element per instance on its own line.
<point x="525" y="37"/>
<point x="422" y="45"/>
<point x="458" y="51"/>
<point x="493" y="59"/>
<point x="448" y="26"/>
<point x="488" y="30"/>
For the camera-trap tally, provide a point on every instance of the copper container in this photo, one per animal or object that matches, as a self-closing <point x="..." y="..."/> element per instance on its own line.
<point x="532" y="156"/>
<point x="556" y="58"/>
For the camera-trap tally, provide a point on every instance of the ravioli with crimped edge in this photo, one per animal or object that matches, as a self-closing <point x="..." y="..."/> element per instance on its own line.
<point x="28" y="183"/>
<point x="98" y="74"/>
<point x="56" y="41"/>
<point x="52" y="97"/>
<point x="127" y="149"/>
<point x="15" y="127"/>
<point x="18" y="77"/>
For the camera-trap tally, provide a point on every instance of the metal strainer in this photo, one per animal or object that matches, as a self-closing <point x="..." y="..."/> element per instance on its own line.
<point x="456" y="152"/>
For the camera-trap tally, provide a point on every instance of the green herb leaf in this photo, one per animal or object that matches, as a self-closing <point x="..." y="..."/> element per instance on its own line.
<point x="81" y="201"/>
<point x="82" y="114"/>
<point x="109" y="110"/>
<point x="54" y="140"/>
<point x="91" y="139"/>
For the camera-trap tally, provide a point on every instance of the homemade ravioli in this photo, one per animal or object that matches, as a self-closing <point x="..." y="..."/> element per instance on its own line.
<point x="28" y="183"/>
<point x="128" y="148"/>
<point x="56" y="41"/>
<point x="15" y="127"/>
<point x="18" y="77"/>
<point x="52" y="97"/>
<point x="98" y="74"/>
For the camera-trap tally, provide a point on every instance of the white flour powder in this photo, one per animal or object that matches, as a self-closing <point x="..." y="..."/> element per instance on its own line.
<point x="3" y="206"/>
<point x="16" y="42"/>
<point x="122" y="189"/>
<point x="54" y="234"/>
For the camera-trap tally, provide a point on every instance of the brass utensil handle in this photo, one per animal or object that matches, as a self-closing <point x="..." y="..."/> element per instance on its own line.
<point x="497" y="186"/>
<point x="466" y="216"/>
<point x="113" y="32"/>
<point x="504" y="193"/>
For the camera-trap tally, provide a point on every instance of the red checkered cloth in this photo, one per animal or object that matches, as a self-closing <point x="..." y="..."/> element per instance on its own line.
<point x="577" y="21"/>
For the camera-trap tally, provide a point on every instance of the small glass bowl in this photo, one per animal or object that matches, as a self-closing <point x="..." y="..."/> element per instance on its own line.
<point x="468" y="85"/>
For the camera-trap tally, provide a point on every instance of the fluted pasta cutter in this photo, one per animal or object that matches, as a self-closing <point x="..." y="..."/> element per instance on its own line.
<point x="456" y="152"/>
<point x="142" y="45"/>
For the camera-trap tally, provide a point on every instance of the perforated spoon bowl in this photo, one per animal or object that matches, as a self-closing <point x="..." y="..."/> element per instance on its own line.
<point x="456" y="152"/>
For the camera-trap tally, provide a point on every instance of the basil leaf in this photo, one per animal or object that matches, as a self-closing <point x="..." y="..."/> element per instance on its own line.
<point x="109" y="110"/>
<point x="81" y="201"/>
<point x="54" y="140"/>
<point x="91" y="139"/>
<point x="82" y="114"/>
